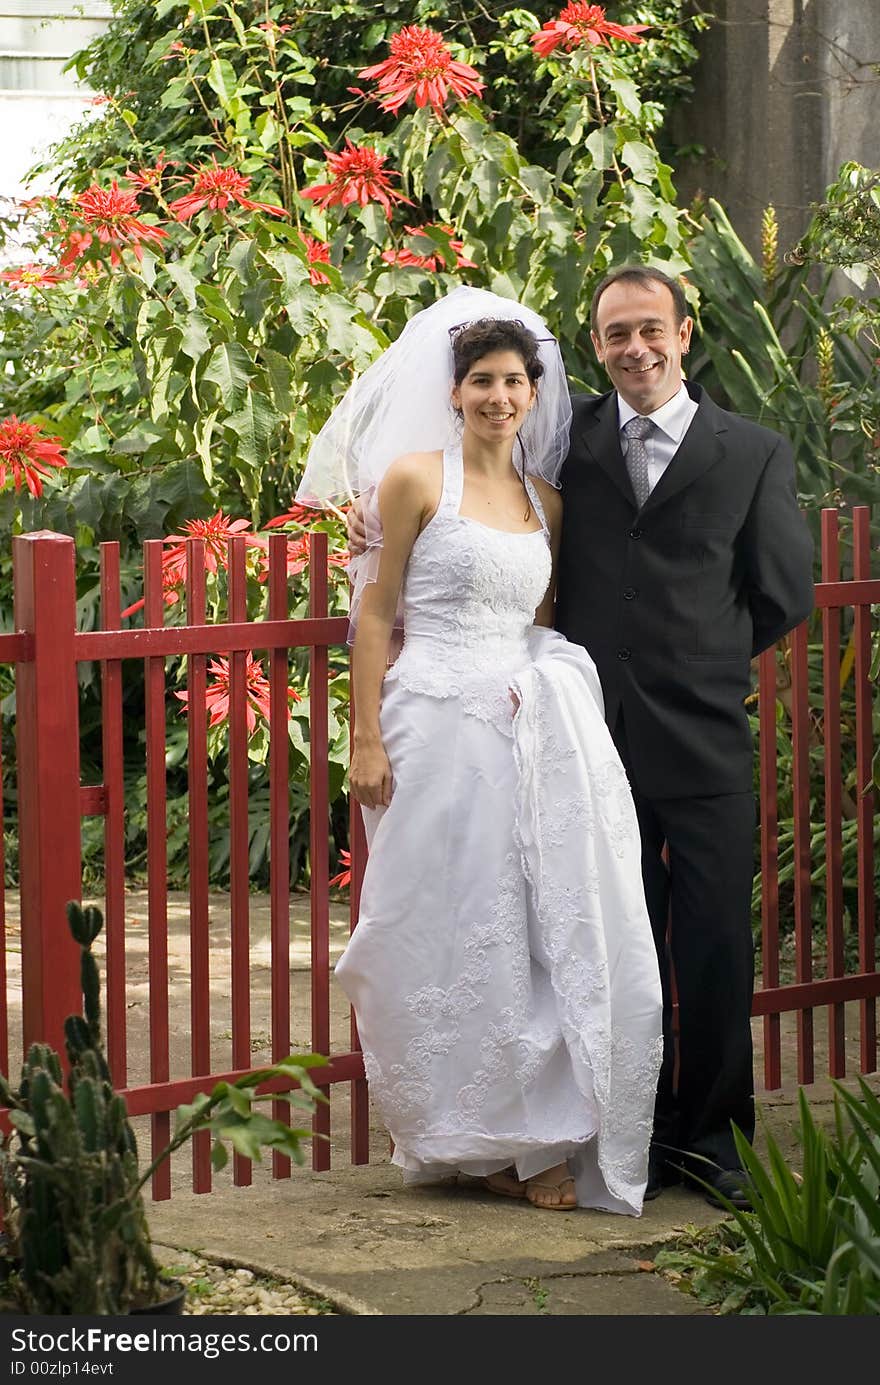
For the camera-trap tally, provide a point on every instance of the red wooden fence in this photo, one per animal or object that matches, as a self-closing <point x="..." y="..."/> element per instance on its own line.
<point x="51" y="802"/>
<point x="836" y="988"/>
<point x="46" y="652"/>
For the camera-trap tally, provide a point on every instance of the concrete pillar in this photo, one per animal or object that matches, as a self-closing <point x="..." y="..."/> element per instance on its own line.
<point x="784" y="92"/>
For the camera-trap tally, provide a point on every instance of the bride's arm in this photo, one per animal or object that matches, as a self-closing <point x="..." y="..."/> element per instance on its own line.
<point x="402" y="504"/>
<point x="552" y="502"/>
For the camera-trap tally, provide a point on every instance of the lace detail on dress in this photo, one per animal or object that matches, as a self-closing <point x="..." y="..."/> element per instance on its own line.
<point x="510" y="1046"/>
<point x="469" y="599"/>
<point x="617" y="1047"/>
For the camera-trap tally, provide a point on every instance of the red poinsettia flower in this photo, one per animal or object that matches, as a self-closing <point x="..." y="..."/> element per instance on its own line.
<point x="301" y="515"/>
<point x="422" y="66"/>
<point x="216" y="533"/>
<point x="358" y="176"/>
<point x="344" y="877"/>
<point x="29" y="275"/>
<point x="297" y="555"/>
<point x="317" y="253"/>
<point x="216" y="187"/>
<point x="217" y="693"/>
<point x="150" y="179"/>
<point x="110" y="215"/>
<point x="73" y="246"/>
<point x="583" y="24"/>
<point x="431" y="261"/>
<point x="26" y="454"/>
<point x="176" y="50"/>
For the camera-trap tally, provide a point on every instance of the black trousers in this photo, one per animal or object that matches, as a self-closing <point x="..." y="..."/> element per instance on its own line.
<point x="700" y="909"/>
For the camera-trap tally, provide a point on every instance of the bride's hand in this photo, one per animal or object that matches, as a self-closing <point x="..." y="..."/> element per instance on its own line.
<point x="357" y="533"/>
<point x="370" y="776"/>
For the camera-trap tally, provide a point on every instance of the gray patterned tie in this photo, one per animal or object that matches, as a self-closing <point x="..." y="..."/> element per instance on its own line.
<point x="637" y="430"/>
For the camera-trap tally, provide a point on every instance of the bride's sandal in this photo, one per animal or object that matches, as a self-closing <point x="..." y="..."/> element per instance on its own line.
<point x="562" y="1189"/>
<point x="505" y="1183"/>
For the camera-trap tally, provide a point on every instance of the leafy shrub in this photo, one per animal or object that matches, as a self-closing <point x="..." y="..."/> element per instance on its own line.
<point x="812" y="1243"/>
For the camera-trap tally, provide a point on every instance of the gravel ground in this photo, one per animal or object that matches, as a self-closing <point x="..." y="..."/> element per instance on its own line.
<point x="214" y="1288"/>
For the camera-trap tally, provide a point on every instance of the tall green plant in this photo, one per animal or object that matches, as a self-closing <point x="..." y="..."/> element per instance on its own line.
<point x="782" y="354"/>
<point x="812" y="1243"/>
<point x="247" y="221"/>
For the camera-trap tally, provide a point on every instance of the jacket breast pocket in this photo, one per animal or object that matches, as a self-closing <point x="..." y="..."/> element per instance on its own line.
<point x="711" y="522"/>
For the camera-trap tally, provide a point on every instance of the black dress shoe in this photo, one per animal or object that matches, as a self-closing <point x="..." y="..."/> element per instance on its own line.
<point x="731" y="1184"/>
<point x="660" y="1175"/>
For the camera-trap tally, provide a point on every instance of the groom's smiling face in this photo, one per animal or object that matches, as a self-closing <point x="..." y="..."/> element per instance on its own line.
<point x="640" y="343"/>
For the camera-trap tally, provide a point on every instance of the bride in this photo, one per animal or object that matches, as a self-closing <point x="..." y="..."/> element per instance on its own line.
<point x="502" y="972"/>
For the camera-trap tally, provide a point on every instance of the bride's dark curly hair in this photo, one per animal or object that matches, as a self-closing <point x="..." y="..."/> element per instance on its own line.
<point x="474" y="340"/>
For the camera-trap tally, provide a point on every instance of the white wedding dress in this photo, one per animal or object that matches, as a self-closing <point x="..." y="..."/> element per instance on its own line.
<point x="503" y="972"/>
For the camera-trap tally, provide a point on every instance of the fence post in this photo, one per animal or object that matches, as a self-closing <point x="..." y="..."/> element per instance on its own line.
<point x="47" y="737"/>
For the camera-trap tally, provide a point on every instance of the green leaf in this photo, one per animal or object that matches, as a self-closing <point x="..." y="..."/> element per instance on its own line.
<point x="238" y="1100"/>
<point x="176" y="94"/>
<point x="643" y="207"/>
<point x="280" y="375"/>
<point x="139" y="438"/>
<point x="242" y="257"/>
<point x="203" y="445"/>
<point x="222" y="80"/>
<point x="182" y="274"/>
<point x="627" y="95"/>
<point x="231" y="369"/>
<point x="183" y="489"/>
<point x="486" y="178"/>
<point x="539" y="183"/>
<point x="253" y="425"/>
<point x="196" y="338"/>
<point x="294" y="271"/>
<point x="268" y="130"/>
<point x="600" y="146"/>
<point x="215" y="304"/>
<point x="640" y="159"/>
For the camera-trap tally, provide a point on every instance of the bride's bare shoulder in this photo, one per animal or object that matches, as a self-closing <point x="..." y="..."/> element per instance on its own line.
<point x="418" y="472"/>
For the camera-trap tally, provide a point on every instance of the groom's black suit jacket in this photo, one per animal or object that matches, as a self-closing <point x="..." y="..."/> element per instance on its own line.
<point x="673" y="600"/>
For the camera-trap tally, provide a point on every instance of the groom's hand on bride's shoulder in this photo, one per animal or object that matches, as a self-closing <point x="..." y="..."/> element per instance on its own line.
<point x="357" y="532"/>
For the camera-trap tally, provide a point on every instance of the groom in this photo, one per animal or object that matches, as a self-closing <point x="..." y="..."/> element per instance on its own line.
<point x="683" y="555"/>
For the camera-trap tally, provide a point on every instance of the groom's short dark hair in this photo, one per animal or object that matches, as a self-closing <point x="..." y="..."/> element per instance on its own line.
<point x="640" y="274"/>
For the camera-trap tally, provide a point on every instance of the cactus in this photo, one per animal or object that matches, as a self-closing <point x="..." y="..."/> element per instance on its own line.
<point x="79" y="1217"/>
<point x="71" y="1185"/>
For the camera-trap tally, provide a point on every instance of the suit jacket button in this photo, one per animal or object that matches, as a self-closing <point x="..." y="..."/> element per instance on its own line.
<point x="623" y="654"/>
<point x="629" y="593"/>
<point x="635" y="533"/>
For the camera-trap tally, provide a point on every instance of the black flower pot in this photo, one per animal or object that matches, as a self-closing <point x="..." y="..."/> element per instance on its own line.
<point x="172" y="1305"/>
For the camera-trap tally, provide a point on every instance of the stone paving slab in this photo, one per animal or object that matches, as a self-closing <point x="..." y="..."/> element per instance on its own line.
<point x="359" y="1238"/>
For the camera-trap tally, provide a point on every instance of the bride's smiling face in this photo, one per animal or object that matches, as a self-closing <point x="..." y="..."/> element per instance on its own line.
<point x="495" y="396"/>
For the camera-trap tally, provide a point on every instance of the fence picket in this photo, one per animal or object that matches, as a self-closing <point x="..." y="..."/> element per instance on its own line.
<point x="833" y="792"/>
<point x="157" y="860"/>
<point x="197" y="824"/>
<point x="769" y="862"/>
<point x="114" y="820"/>
<point x="279" y="832"/>
<point x="865" y="792"/>
<point x="319" y="855"/>
<point x="239" y="878"/>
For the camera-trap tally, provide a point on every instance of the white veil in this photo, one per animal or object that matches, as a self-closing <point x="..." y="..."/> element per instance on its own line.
<point x="402" y="404"/>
